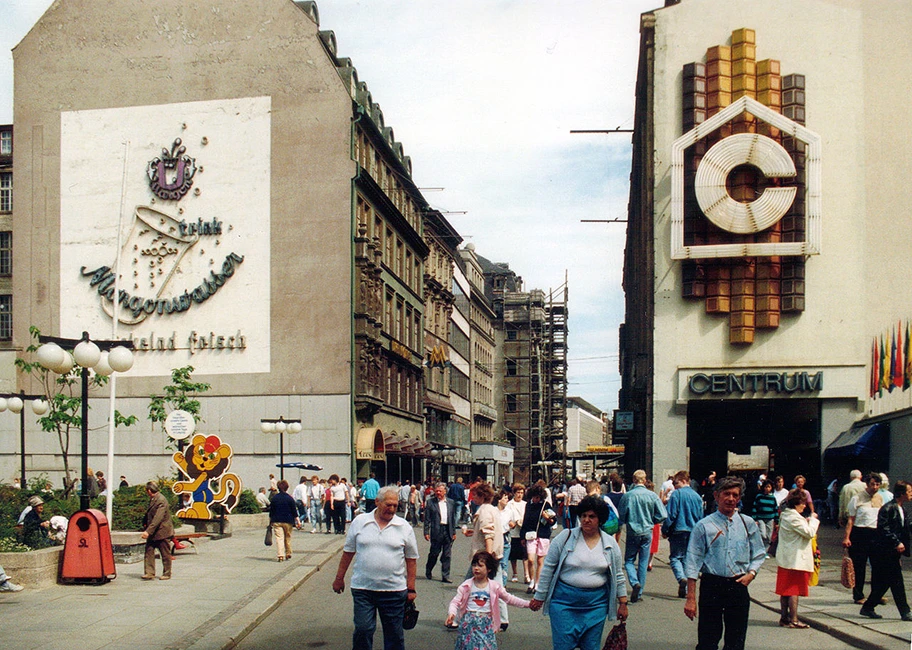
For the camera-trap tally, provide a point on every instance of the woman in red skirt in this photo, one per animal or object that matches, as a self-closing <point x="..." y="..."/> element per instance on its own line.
<point x="795" y="557"/>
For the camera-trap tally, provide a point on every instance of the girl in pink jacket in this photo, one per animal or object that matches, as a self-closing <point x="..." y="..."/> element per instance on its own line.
<point x="476" y="603"/>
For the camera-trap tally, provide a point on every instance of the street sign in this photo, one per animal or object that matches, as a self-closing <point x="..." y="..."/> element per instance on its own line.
<point x="623" y="420"/>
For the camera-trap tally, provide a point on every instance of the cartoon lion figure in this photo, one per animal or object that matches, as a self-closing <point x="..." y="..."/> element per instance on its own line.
<point x="205" y="463"/>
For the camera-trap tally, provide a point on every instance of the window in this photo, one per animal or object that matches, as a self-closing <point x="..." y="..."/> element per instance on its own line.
<point x="511" y="403"/>
<point x="6" y="192"/>
<point x="6" y="143"/>
<point x="511" y="368"/>
<point x="6" y="253"/>
<point x="459" y="382"/>
<point x="511" y="335"/>
<point x="6" y="318"/>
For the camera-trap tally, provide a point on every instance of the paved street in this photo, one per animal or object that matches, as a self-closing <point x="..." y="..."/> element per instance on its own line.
<point x="315" y="617"/>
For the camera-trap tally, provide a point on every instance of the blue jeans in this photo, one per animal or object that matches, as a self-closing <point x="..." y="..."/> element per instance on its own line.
<point x="316" y="514"/>
<point x="460" y="505"/>
<point x="637" y="545"/>
<point x="678" y="543"/>
<point x="505" y="560"/>
<point x="391" y="607"/>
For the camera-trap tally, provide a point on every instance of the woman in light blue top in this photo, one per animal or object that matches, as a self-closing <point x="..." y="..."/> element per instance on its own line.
<point x="582" y="582"/>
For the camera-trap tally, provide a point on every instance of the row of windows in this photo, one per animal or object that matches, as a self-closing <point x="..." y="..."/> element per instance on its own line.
<point x="459" y="382"/>
<point x="460" y="341"/>
<point x="402" y="321"/>
<point x="400" y="387"/>
<point x="397" y="256"/>
<point x="483" y="393"/>
<point x="387" y="178"/>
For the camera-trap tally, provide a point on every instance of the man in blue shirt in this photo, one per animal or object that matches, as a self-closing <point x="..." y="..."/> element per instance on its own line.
<point x="685" y="509"/>
<point x="369" y="491"/>
<point x="640" y="510"/>
<point x="725" y="550"/>
<point x="457" y="493"/>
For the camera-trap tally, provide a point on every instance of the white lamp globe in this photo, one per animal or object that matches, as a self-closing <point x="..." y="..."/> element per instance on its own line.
<point x="14" y="404"/>
<point x="67" y="364"/>
<point x="267" y="427"/>
<point x="39" y="406"/>
<point x="280" y="427"/>
<point x="295" y="427"/>
<point x="120" y="359"/>
<point x="103" y="367"/>
<point x="2" y="404"/>
<point x="86" y="354"/>
<point x="50" y="355"/>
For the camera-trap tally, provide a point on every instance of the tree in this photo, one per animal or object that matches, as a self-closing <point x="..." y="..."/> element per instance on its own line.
<point x="179" y="395"/>
<point x="64" y="402"/>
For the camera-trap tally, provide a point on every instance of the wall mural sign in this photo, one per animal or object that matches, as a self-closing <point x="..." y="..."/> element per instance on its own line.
<point x="194" y="268"/>
<point x="746" y="178"/>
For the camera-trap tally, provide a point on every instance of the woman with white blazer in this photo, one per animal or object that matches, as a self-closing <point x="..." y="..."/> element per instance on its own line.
<point x="795" y="557"/>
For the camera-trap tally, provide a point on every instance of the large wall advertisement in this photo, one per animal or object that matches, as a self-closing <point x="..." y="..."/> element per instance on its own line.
<point x="187" y="186"/>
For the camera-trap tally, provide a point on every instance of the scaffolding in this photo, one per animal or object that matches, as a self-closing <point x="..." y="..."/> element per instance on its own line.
<point x="554" y="370"/>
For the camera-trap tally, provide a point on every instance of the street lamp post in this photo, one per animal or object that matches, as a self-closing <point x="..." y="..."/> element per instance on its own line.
<point x="15" y="403"/>
<point x="280" y="426"/>
<point x="104" y="357"/>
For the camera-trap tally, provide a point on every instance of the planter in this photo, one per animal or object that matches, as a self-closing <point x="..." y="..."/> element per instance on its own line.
<point x="246" y="522"/>
<point x="33" y="569"/>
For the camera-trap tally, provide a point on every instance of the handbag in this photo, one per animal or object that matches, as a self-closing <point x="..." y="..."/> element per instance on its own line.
<point x="815" y="576"/>
<point x="612" y="524"/>
<point x="847" y="579"/>
<point x="617" y="638"/>
<point x="410" y="617"/>
<point x="268" y="539"/>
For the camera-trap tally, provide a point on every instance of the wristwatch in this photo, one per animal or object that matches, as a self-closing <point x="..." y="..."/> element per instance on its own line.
<point x="752" y="572"/>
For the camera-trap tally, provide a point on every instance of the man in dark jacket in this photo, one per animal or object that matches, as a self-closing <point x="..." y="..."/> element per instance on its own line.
<point x="892" y="542"/>
<point x="158" y="533"/>
<point x="440" y="531"/>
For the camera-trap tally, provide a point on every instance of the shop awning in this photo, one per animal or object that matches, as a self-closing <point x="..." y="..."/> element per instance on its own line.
<point x="871" y="442"/>
<point x="369" y="444"/>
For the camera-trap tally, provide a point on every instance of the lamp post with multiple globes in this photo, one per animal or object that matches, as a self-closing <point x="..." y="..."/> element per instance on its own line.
<point x="15" y="402"/>
<point x="104" y="357"/>
<point x="280" y="426"/>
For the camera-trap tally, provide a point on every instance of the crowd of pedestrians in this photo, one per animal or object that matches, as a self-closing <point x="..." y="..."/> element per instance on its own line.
<point x="561" y="540"/>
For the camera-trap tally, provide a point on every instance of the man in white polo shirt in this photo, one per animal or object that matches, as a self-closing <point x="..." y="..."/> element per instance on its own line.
<point x="861" y="531"/>
<point x="384" y="575"/>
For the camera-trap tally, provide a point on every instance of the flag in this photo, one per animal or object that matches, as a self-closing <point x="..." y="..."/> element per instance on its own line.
<point x="900" y="365"/>
<point x="884" y="367"/>
<point x="872" y="384"/>
<point x="907" y="373"/>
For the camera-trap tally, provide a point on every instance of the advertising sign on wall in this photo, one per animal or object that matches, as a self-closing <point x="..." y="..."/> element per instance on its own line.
<point x="182" y="193"/>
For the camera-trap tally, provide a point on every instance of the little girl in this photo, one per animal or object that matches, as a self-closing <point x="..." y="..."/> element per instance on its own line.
<point x="476" y="602"/>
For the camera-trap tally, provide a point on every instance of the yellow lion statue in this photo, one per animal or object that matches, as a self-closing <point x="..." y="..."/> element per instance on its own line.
<point x="205" y="463"/>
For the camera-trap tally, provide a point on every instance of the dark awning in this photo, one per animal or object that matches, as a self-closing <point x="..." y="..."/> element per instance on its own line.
<point x="871" y="441"/>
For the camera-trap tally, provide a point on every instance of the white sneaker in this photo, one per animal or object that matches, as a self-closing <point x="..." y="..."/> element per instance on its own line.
<point x="313" y="531"/>
<point x="514" y="579"/>
<point x="10" y="586"/>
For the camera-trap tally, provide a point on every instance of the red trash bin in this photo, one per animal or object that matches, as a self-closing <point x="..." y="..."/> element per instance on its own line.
<point x="88" y="555"/>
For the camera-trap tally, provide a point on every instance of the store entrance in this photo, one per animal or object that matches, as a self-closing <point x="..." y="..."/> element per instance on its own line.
<point x="790" y="428"/>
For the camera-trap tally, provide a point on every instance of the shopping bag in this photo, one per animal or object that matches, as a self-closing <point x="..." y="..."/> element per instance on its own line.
<point x="847" y="579"/>
<point x="613" y="524"/>
<point x="268" y="540"/>
<point x="774" y="542"/>
<point x="617" y="638"/>
<point x="815" y="576"/>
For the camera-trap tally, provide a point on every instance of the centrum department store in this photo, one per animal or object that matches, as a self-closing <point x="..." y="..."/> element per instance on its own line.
<point x="238" y="179"/>
<point x="767" y="322"/>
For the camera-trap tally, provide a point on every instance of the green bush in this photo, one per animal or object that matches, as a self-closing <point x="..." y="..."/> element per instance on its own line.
<point x="247" y="503"/>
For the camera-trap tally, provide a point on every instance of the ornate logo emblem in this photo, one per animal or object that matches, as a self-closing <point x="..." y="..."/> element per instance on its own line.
<point x="171" y="174"/>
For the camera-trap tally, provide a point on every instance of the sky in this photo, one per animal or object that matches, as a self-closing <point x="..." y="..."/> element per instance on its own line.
<point x="483" y="94"/>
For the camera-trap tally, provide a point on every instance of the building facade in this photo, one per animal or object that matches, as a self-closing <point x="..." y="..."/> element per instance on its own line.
<point x="760" y="320"/>
<point x="229" y="179"/>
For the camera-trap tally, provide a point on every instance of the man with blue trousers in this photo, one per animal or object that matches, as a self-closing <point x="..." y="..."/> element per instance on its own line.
<point x="640" y="510"/>
<point x="685" y="509"/>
